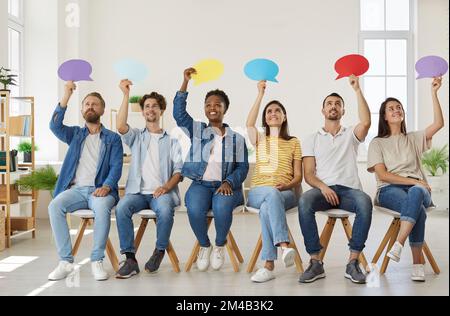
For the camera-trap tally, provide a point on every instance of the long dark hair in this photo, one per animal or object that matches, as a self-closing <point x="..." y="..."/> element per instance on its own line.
<point x="383" y="126"/>
<point x="284" y="130"/>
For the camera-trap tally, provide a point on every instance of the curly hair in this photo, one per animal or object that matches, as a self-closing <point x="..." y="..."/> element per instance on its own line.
<point x="221" y="95"/>
<point x="159" y="99"/>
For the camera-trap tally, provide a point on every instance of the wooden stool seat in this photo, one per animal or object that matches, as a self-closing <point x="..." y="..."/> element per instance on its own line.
<point x="333" y="215"/>
<point x="232" y="247"/>
<point x="147" y="215"/>
<point x="87" y="216"/>
<point x="258" y="247"/>
<point x="391" y="236"/>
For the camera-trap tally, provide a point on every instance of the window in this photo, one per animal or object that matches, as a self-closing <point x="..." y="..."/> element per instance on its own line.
<point x="15" y="44"/>
<point x="386" y="39"/>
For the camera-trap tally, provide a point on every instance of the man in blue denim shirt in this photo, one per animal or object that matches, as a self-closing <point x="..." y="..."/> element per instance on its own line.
<point x="218" y="165"/>
<point x="155" y="172"/>
<point x="88" y="180"/>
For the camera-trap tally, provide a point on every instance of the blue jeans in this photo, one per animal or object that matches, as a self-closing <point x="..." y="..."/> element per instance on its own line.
<point x="272" y="205"/>
<point x="351" y="200"/>
<point x="74" y="199"/>
<point x="164" y="208"/>
<point x="200" y="199"/>
<point x="411" y="202"/>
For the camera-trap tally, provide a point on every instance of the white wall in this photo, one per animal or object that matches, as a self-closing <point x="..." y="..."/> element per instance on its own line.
<point x="432" y="39"/>
<point x="3" y="33"/>
<point x="41" y="64"/>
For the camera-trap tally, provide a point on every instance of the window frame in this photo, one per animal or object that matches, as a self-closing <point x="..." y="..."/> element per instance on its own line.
<point x="17" y="24"/>
<point x="410" y="58"/>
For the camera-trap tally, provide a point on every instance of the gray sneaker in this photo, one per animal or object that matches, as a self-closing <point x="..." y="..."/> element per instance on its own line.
<point x="353" y="272"/>
<point x="314" y="272"/>
<point x="129" y="268"/>
<point x="153" y="264"/>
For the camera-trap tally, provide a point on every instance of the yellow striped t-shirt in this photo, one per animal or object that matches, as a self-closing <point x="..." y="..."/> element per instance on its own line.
<point x="275" y="161"/>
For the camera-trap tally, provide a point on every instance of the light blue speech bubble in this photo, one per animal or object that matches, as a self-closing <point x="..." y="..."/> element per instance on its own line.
<point x="262" y="69"/>
<point x="131" y="69"/>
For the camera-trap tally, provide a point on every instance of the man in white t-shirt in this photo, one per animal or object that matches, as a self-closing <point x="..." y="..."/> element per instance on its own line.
<point x="330" y="168"/>
<point x="153" y="178"/>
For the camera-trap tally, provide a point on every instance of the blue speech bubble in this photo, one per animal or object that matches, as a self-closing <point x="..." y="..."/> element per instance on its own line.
<point x="131" y="69"/>
<point x="262" y="69"/>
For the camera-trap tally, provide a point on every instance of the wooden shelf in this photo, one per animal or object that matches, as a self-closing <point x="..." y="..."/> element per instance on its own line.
<point x="11" y="127"/>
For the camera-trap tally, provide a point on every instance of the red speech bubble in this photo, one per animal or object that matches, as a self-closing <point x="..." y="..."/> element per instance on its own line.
<point x="351" y="65"/>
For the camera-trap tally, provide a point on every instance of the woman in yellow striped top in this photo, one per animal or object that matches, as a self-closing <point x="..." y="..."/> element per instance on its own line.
<point x="278" y="175"/>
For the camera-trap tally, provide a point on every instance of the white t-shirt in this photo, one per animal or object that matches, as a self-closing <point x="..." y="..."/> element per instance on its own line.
<point x="214" y="169"/>
<point x="87" y="167"/>
<point x="151" y="176"/>
<point x="336" y="157"/>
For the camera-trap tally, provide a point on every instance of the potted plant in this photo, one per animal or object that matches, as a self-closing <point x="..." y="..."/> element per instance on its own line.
<point x="7" y="79"/>
<point x="134" y="102"/>
<point x="26" y="148"/>
<point x="41" y="179"/>
<point x="433" y="161"/>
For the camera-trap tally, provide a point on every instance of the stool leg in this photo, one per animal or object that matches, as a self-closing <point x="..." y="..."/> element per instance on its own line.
<point x="297" y="259"/>
<point x="255" y="255"/>
<point x="193" y="257"/>
<point x="79" y="237"/>
<point x="235" y="248"/>
<point x="386" y="259"/>
<point x="112" y="255"/>
<point x="140" y="233"/>
<point x="384" y="241"/>
<point x="430" y="257"/>
<point x="326" y="235"/>
<point x="173" y="258"/>
<point x="233" y="259"/>
<point x="348" y="231"/>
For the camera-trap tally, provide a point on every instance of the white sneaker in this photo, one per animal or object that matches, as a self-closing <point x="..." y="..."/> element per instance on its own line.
<point x="288" y="257"/>
<point x="218" y="258"/>
<point x="98" y="271"/>
<point x="63" y="269"/>
<point x="203" y="258"/>
<point x="263" y="275"/>
<point x="395" y="252"/>
<point x="418" y="273"/>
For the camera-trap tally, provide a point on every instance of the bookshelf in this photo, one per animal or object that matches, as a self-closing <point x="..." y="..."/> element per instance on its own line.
<point x="19" y="208"/>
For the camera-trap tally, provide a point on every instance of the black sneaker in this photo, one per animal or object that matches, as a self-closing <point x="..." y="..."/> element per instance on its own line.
<point x="129" y="268"/>
<point x="353" y="272"/>
<point x="155" y="261"/>
<point x="314" y="272"/>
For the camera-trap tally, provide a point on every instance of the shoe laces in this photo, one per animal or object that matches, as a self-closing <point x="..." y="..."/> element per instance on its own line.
<point x="203" y="253"/>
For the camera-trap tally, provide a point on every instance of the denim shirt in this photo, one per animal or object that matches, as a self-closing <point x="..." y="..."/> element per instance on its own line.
<point x="234" y="151"/>
<point x="109" y="169"/>
<point x="170" y="159"/>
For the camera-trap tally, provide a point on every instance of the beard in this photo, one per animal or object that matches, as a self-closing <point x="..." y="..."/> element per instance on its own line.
<point x="334" y="116"/>
<point x="91" y="117"/>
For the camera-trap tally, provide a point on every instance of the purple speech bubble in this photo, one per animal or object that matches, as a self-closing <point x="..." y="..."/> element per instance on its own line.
<point x="75" y="70"/>
<point x="431" y="66"/>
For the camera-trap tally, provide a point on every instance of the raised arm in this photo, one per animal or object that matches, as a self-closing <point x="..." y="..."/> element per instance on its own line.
<point x="181" y="116"/>
<point x="122" y="117"/>
<point x="253" y="114"/>
<point x="62" y="132"/>
<point x="362" y="129"/>
<point x="438" y="122"/>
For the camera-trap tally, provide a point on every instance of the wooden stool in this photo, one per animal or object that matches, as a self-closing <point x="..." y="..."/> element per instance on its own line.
<point x="87" y="217"/>
<point x="325" y="237"/>
<point x="390" y="238"/>
<point x="232" y="247"/>
<point x="147" y="215"/>
<point x="258" y="247"/>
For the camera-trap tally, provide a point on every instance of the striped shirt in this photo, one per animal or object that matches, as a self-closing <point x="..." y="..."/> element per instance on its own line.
<point x="275" y="161"/>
